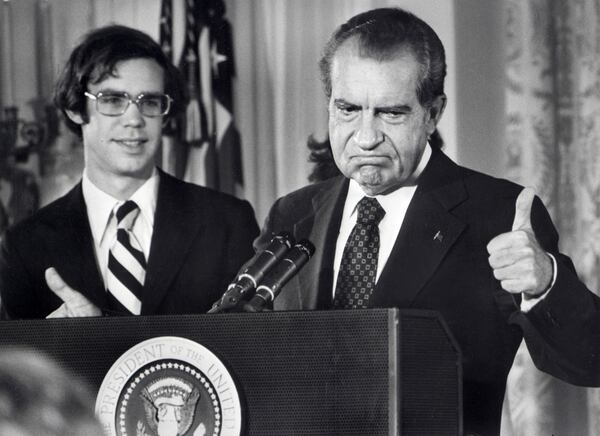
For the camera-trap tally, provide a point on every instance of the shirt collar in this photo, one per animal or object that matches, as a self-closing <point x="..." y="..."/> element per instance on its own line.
<point x="100" y="205"/>
<point x="145" y="197"/>
<point x="389" y="202"/>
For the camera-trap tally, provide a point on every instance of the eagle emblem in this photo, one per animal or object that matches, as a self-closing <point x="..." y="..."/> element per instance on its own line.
<point x="170" y="406"/>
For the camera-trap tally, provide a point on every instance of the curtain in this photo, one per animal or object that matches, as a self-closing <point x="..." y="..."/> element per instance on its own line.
<point x="552" y="136"/>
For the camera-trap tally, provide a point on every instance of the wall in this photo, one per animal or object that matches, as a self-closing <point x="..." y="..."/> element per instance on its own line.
<point x="480" y="80"/>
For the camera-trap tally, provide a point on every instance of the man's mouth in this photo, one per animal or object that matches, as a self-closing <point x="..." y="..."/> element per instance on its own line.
<point x="372" y="159"/>
<point x="135" y="142"/>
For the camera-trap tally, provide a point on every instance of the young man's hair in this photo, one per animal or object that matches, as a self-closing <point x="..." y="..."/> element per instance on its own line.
<point x="96" y="58"/>
<point x="382" y="34"/>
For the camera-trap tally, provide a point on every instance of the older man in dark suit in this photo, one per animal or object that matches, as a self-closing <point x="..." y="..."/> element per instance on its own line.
<point x="406" y="227"/>
<point x="128" y="239"/>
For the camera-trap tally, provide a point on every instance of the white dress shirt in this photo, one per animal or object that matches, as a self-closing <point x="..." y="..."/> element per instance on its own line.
<point x="395" y="205"/>
<point x="103" y="224"/>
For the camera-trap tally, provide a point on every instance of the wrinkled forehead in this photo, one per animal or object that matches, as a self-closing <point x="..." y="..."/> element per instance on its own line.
<point x="370" y="82"/>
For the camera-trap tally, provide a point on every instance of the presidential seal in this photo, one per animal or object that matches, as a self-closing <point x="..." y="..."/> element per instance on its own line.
<point x="169" y="386"/>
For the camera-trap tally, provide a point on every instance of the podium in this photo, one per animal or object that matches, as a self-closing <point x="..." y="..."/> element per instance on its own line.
<point x="356" y="372"/>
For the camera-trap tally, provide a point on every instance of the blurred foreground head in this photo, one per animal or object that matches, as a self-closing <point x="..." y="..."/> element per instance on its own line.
<point x="37" y="397"/>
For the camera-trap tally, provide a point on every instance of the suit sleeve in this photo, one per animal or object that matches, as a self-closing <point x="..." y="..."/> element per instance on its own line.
<point x="16" y="288"/>
<point x="562" y="331"/>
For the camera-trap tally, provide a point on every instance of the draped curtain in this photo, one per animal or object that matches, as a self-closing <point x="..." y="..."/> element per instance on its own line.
<point x="552" y="139"/>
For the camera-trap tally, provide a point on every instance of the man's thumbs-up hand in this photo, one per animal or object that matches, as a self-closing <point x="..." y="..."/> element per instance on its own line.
<point x="75" y="304"/>
<point x="516" y="257"/>
<point x="523" y="205"/>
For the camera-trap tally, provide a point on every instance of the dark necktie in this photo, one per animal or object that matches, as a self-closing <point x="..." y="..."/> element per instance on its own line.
<point x="126" y="264"/>
<point x="358" y="269"/>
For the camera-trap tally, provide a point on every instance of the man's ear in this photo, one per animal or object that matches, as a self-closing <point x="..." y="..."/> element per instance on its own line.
<point x="75" y="117"/>
<point x="436" y="109"/>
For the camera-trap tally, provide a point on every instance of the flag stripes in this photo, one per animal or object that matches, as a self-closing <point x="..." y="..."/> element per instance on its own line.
<point x="208" y="151"/>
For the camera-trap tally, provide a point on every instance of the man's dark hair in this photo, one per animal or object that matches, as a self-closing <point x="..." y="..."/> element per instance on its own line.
<point x="383" y="33"/>
<point x="96" y="57"/>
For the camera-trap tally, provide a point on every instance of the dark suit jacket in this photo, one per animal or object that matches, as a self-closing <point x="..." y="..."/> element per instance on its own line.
<point x="200" y="239"/>
<point x="451" y="274"/>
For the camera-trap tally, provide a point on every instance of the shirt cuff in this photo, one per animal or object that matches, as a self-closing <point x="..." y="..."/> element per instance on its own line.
<point x="528" y="303"/>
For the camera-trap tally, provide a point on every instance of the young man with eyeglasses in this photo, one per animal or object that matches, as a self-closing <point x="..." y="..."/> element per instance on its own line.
<point x="129" y="239"/>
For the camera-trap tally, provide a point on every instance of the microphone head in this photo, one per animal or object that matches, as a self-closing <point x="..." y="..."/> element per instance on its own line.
<point x="253" y="271"/>
<point x="306" y="246"/>
<point x="284" y="237"/>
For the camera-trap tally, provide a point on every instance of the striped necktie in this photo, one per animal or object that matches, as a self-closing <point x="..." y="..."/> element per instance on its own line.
<point x="358" y="269"/>
<point x="126" y="264"/>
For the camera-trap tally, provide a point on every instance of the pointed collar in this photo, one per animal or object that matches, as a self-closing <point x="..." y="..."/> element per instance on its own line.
<point x="99" y="204"/>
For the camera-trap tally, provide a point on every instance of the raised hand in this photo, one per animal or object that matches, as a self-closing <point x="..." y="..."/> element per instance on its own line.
<point x="518" y="261"/>
<point x="75" y="304"/>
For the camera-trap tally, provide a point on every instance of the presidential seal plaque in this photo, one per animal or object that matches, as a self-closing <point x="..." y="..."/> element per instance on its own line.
<point x="169" y="386"/>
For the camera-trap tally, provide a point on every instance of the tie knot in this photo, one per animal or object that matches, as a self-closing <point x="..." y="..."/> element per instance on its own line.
<point x="369" y="211"/>
<point x="126" y="214"/>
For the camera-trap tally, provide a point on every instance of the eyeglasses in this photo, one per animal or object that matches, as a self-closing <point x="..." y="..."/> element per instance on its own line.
<point x="114" y="104"/>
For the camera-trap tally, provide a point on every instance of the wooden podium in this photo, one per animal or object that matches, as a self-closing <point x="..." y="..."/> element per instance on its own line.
<point x="358" y="372"/>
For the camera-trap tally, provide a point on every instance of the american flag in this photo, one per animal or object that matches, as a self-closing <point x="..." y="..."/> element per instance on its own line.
<point x="210" y="151"/>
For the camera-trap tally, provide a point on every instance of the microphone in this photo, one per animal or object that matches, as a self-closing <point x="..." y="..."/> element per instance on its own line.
<point x="253" y="271"/>
<point x="287" y="268"/>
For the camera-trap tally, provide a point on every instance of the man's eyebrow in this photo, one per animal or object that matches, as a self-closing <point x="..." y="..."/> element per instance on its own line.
<point x="402" y="108"/>
<point x="342" y="102"/>
<point x="110" y="90"/>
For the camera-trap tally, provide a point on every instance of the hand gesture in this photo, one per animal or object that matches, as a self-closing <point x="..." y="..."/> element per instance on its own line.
<point x="516" y="257"/>
<point x="75" y="304"/>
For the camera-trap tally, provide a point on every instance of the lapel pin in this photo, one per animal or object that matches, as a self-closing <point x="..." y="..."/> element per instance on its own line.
<point x="438" y="237"/>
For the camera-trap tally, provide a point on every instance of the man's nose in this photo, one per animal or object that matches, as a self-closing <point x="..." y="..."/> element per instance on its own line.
<point x="133" y="116"/>
<point x="368" y="135"/>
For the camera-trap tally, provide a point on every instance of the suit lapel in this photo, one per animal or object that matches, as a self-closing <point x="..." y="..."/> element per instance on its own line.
<point x="75" y="255"/>
<point x="311" y="288"/>
<point x="315" y="280"/>
<point x="426" y="235"/>
<point x="175" y="227"/>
